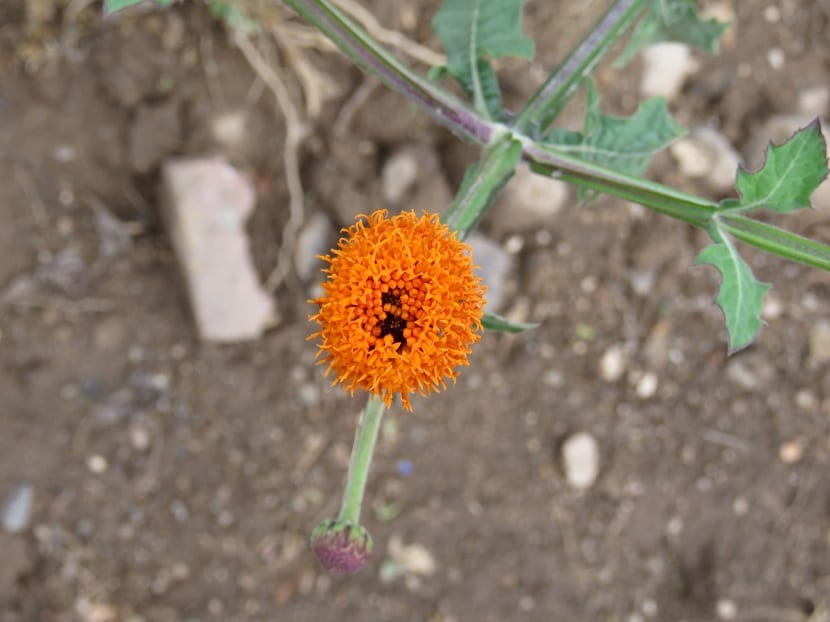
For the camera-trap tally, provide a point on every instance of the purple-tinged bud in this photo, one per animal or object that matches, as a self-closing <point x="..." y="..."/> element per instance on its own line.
<point x="342" y="547"/>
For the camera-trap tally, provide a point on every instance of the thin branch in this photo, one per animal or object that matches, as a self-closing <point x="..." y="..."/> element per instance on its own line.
<point x="294" y="134"/>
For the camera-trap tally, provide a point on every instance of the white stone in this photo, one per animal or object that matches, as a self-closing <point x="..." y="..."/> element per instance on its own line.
<point x="647" y="386"/>
<point x="613" y="363"/>
<point x="776" y="58"/>
<point x="580" y="456"/>
<point x="772" y="307"/>
<point x="414" y="558"/>
<point x="665" y="68"/>
<point x="529" y="200"/>
<point x="791" y="451"/>
<point x="230" y="130"/>
<point x="727" y="610"/>
<point x="97" y="463"/>
<point x="707" y="154"/>
<point x="206" y="205"/>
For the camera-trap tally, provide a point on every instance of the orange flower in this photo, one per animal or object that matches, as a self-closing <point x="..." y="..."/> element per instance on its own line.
<point x="401" y="306"/>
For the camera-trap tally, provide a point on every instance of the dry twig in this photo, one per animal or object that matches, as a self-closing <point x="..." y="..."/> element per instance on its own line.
<point x="294" y="133"/>
<point x="392" y="38"/>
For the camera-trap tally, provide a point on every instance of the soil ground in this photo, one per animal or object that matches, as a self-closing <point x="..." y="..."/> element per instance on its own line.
<point x="178" y="481"/>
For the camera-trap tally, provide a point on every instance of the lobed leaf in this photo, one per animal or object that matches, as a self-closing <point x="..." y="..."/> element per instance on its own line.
<point x="492" y="321"/>
<point x="625" y="144"/>
<point x="790" y="174"/>
<point x="740" y="294"/>
<point x="472" y="31"/>
<point x="674" y="21"/>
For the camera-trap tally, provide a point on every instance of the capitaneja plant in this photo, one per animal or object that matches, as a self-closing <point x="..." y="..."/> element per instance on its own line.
<point x="401" y="306"/>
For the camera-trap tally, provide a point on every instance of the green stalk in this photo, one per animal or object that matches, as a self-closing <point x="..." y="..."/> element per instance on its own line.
<point x="482" y="183"/>
<point x="549" y="100"/>
<point x="778" y="241"/>
<point x="361" y="459"/>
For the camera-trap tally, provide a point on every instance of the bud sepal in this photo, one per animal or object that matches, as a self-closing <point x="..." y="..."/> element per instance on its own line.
<point x="343" y="547"/>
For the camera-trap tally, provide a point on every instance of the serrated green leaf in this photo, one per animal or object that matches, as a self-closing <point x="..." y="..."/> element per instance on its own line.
<point x="625" y="144"/>
<point x="676" y="21"/>
<point x="111" y="6"/>
<point x="740" y="295"/>
<point x="472" y="31"/>
<point x="790" y="174"/>
<point x="491" y="321"/>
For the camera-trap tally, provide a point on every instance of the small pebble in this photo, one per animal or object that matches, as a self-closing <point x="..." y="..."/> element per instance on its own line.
<point x="17" y="510"/>
<point x="229" y="129"/>
<point x="791" y="452"/>
<point x="776" y="58"/>
<point x="740" y="506"/>
<point x="580" y="455"/>
<point x="139" y="437"/>
<point x="613" y="363"/>
<point x="727" y="610"/>
<point x="96" y="463"/>
<point x="642" y="281"/>
<point x="647" y="386"/>
<point x="529" y="201"/>
<point x="819" y="345"/>
<point x="405" y="468"/>
<point x="665" y="68"/>
<point x="707" y="154"/>
<point x="772" y="14"/>
<point x="309" y="394"/>
<point x="413" y="558"/>
<point x="773" y="307"/>
<point x="806" y="400"/>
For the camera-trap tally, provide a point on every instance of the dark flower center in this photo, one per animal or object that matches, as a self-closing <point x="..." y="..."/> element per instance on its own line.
<point x="393" y="324"/>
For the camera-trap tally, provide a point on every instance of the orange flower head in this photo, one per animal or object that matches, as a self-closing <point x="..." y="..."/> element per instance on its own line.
<point x="401" y="306"/>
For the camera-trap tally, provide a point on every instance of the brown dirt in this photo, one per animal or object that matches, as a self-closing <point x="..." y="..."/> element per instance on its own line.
<point x="178" y="481"/>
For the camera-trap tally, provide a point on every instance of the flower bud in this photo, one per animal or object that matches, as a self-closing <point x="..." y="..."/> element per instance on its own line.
<point x="342" y="547"/>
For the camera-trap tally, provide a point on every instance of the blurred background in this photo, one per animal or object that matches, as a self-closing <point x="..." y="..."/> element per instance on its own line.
<point x="613" y="464"/>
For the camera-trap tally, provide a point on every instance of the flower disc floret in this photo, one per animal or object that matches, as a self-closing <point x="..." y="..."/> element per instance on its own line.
<point x="401" y="306"/>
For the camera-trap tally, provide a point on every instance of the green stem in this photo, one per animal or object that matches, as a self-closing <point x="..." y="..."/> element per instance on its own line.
<point x="778" y="241"/>
<point x="364" y="446"/>
<point x="482" y="183"/>
<point x="549" y="100"/>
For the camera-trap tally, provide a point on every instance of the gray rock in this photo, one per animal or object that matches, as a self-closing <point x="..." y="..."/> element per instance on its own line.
<point x="17" y="511"/>
<point x="495" y="266"/>
<point x="314" y="239"/>
<point x="206" y="203"/>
